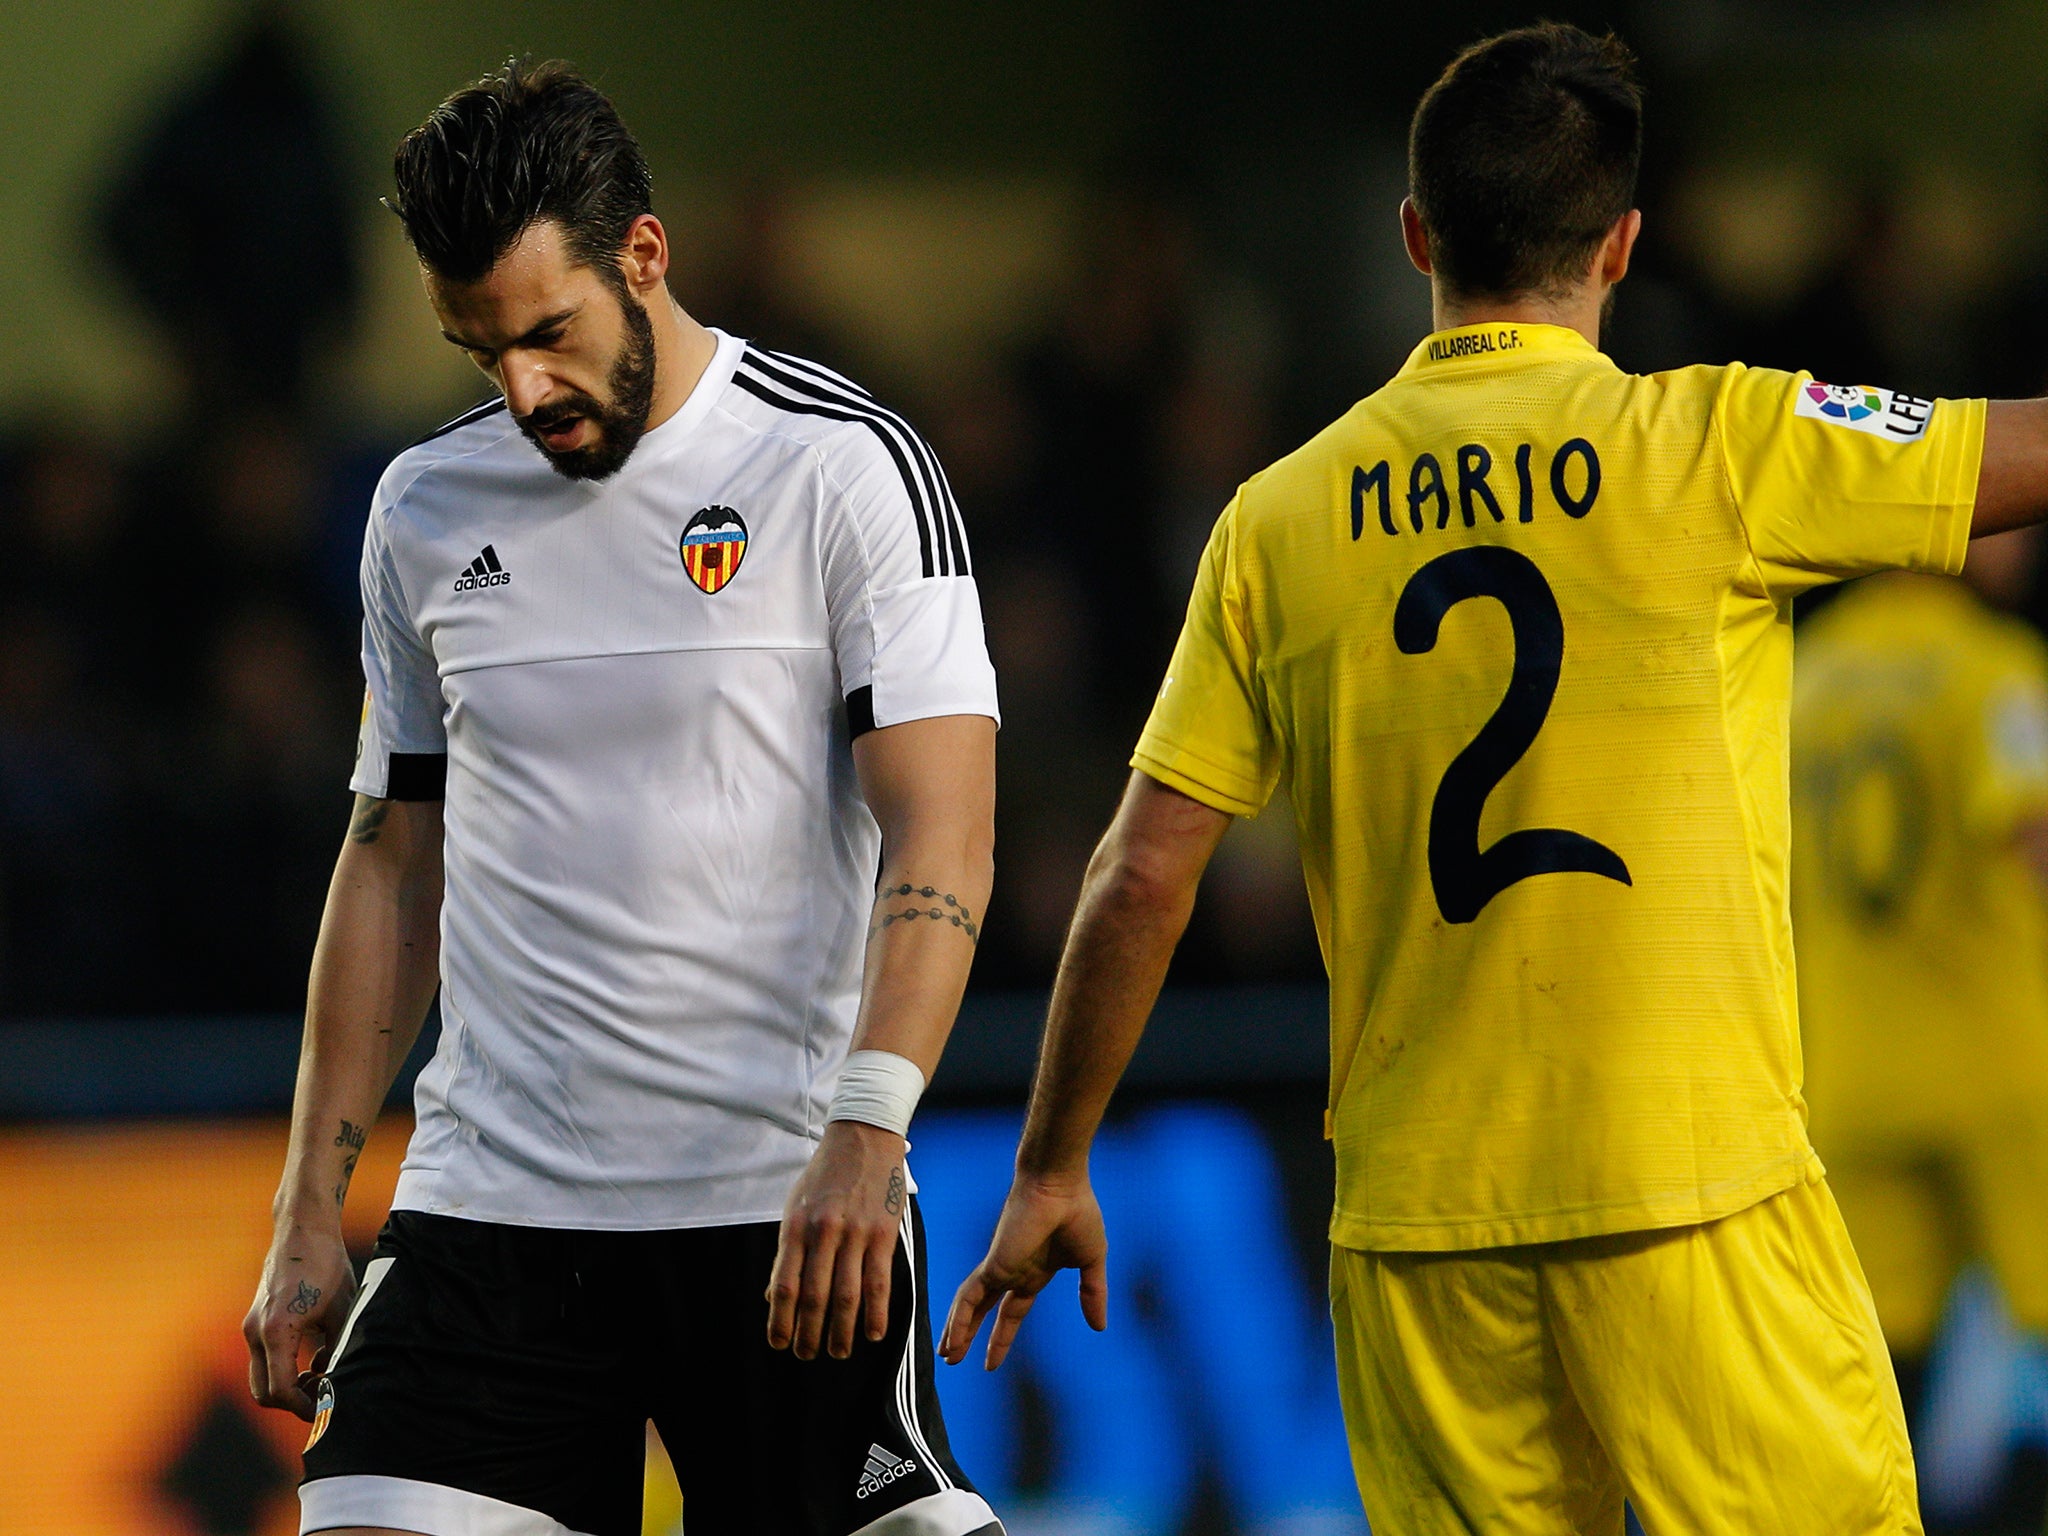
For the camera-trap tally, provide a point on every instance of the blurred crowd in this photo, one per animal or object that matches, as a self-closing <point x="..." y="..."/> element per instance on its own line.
<point x="178" y="679"/>
<point x="177" y="615"/>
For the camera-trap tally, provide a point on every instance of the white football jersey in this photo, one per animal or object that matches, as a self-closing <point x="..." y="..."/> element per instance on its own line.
<point x="643" y="693"/>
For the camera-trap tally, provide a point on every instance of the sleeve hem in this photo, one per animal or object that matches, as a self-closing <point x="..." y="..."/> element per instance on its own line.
<point x="1948" y="544"/>
<point x="1195" y="789"/>
<point x="936" y="709"/>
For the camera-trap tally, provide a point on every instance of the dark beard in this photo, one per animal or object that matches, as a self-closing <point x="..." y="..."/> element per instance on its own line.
<point x="621" y="422"/>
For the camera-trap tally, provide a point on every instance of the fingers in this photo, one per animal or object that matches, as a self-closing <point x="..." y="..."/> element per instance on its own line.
<point x="309" y="1378"/>
<point x="273" y="1341"/>
<point x="1009" y="1318"/>
<point x="970" y="1305"/>
<point x="830" y="1282"/>
<point x="860" y="1291"/>
<point x="814" y="1286"/>
<point x="281" y="1354"/>
<point x="783" y="1283"/>
<point x="849" y="1297"/>
<point x="875" y="1288"/>
<point x="1095" y="1294"/>
<point x="259" y="1365"/>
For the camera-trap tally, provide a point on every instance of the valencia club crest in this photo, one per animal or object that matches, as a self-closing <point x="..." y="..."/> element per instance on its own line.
<point x="713" y="545"/>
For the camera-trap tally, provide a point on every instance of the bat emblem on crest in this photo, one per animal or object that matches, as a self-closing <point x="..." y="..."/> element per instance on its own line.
<point x="713" y="544"/>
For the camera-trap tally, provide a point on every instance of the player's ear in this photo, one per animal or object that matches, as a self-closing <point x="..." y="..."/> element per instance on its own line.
<point x="644" y="258"/>
<point x="1415" y="238"/>
<point x="1618" y="247"/>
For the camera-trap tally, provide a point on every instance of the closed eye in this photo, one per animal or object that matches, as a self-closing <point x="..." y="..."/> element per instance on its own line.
<point x="548" y="333"/>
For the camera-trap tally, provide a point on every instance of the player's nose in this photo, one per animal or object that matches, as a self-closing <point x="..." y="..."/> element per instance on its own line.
<point x="526" y="387"/>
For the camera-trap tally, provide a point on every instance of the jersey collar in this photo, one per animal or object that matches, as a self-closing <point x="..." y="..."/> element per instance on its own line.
<point x="1497" y="343"/>
<point x="717" y="374"/>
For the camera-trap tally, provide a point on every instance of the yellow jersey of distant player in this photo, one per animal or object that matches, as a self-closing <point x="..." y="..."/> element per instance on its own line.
<point x="1920" y="747"/>
<point x="1516" y="633"/>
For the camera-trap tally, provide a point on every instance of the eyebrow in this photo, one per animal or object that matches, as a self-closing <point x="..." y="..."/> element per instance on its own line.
<point x="547" y="323"/>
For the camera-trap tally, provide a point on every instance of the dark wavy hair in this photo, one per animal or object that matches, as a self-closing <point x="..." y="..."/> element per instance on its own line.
<point x="1523" y="155"/>
<point x="530" y="142"/>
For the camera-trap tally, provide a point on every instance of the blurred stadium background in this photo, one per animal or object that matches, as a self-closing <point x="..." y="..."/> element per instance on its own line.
<point x="1111" y="256"/>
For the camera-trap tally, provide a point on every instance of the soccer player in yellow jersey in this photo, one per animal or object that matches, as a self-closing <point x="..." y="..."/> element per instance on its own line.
<point x="1515" y="632"/>
<point x="1920" y="904"/>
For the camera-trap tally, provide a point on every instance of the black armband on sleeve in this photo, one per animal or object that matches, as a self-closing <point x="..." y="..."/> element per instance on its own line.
<point x="417" y="776"/>
<point x="860" y="712"/>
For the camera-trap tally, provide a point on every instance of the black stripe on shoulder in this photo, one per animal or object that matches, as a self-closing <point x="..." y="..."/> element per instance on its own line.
<point x="475" y="413"/>
<point x="889" y="424"/>
<point x="820" y="381"/>
<point x="819" y="375"/>
<point x="816" y="370"/>
<point x="782" y="402"/>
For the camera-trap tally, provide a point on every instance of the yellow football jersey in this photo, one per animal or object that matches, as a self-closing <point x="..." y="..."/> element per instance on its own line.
<point x="1920" y="744"/>
<point x="1515" y="630"/>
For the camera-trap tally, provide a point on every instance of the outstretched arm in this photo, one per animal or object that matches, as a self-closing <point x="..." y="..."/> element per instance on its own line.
<point x="375" y="967"/>
<point x="931" y="784"/>
<point x="2012" y="484"/>
<point x="1134" y="906"/>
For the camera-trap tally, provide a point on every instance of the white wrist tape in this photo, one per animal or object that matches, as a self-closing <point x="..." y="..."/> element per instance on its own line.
<point x="877" y="1088"/>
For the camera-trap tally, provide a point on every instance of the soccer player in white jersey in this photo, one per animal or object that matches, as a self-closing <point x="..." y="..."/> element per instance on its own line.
<point x="668" y="650"/>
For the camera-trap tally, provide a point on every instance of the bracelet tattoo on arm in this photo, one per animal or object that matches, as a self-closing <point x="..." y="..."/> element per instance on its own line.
<point x="944" y="908"/>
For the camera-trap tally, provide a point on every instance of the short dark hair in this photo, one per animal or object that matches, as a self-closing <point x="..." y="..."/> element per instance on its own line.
<point x="530" y="142"/>
<point x="1523" y="155"/>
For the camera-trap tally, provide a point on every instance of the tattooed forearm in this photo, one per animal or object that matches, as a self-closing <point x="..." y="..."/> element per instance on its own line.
<point x="307" y="1299"/>
<point x="892" y="1202"/>
<point x="942" y="908"/>
<point x="368" y="820"/>
<point x="352" y="1137"/>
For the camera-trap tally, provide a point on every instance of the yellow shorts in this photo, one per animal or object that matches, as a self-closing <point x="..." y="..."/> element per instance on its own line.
<point x="1728" y="1377"/>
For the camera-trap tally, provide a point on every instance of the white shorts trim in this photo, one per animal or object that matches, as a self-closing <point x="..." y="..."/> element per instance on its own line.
<point x="372" y="1278"/>
<point x="906" y="1368"/>
<point x="953" y="1512"/>
<point x="400" y="1504"/>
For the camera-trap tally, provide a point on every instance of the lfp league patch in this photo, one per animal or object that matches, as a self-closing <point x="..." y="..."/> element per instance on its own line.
<point x="1886" y="413"/>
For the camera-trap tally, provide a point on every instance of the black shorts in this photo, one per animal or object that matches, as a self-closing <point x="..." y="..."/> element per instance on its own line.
<point x="500" y="1379"/>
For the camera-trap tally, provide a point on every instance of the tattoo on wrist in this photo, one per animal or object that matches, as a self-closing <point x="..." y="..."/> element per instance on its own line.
<point x="368" y="819"/>
<point x="305" y="1301"/>
<point x="352" y="1137"/>
<point x="943" y="908"/>
<point x="892" y="1202"/>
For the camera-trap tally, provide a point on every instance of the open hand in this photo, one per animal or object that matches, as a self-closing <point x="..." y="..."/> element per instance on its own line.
<point x="838" y="1242"/>
<point x="1046" y="1226"/>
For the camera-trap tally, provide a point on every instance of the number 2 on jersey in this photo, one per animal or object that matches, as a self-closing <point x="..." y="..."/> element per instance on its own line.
<point x="1464" y="876"/>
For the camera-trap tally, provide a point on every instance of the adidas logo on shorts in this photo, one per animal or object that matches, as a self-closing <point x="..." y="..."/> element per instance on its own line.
<point x="484" y="571"/>
<point x="883" y="1468"/>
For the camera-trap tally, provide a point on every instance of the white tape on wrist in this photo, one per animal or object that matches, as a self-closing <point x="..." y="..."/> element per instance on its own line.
<point x="877" y="1088"/>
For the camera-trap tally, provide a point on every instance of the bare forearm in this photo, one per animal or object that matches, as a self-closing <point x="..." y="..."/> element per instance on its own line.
<point x="1124" y="934"/>
<point x="2012" y="480"/>
<point x="373" y="976"/>
<point x="921" y="940"/>
<point x="931" y="784"/>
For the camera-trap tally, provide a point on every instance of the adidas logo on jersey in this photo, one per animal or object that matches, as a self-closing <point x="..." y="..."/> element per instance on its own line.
<point x="883" y="1468"/>
<point x="484" y="571"/>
